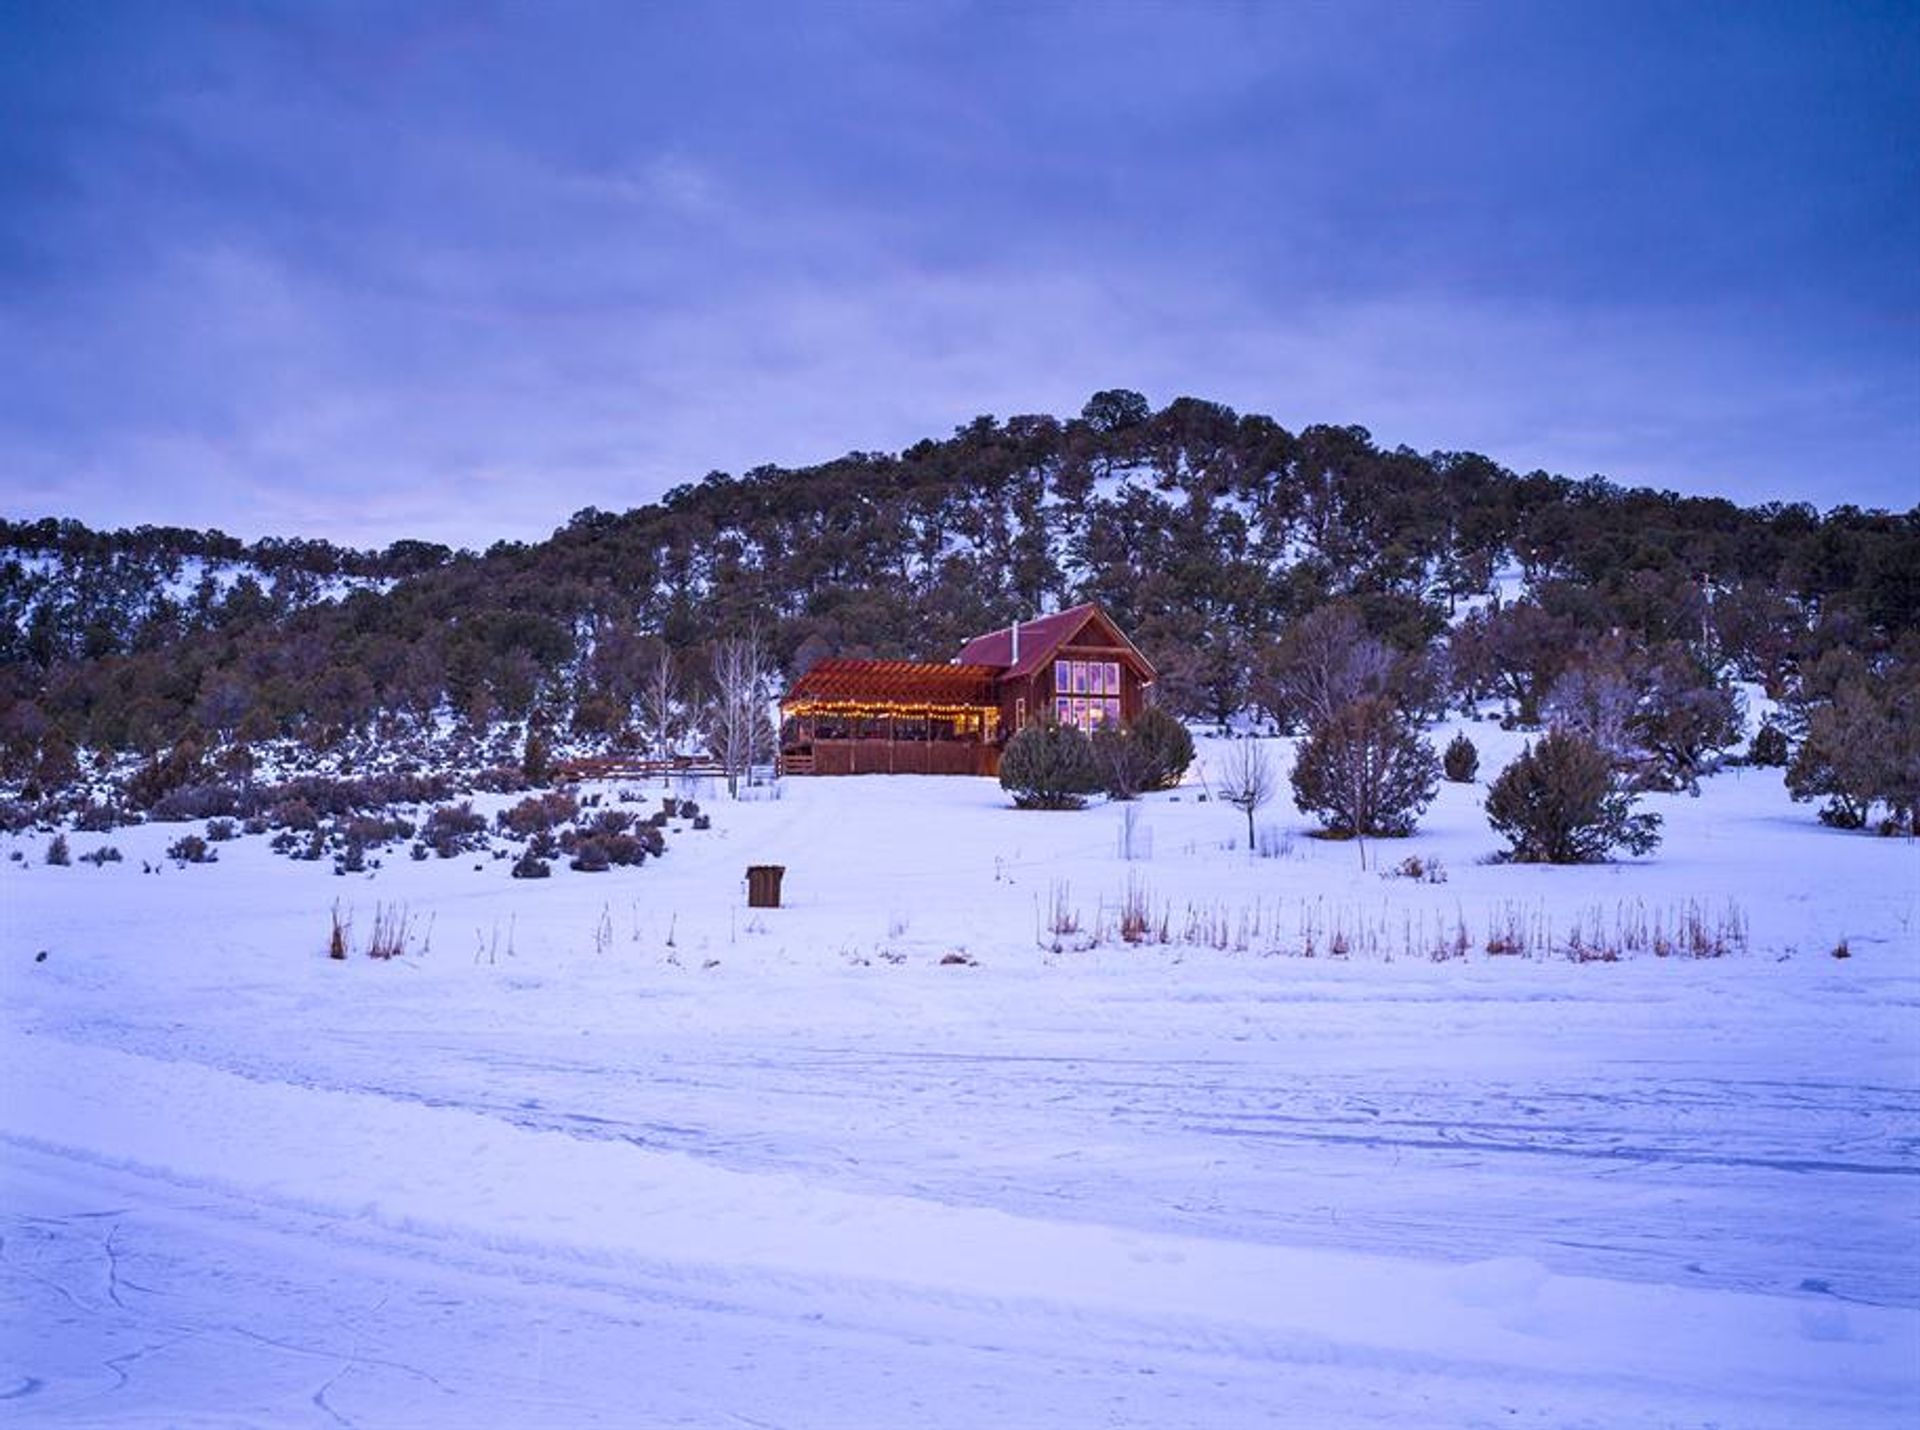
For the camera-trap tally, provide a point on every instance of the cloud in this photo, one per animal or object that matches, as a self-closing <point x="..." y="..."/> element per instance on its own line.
<point x="610" y="410"/>
<point x="460" y="276"/>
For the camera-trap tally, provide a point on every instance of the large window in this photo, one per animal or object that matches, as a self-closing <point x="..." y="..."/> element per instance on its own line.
<point x="1086" y="693"/>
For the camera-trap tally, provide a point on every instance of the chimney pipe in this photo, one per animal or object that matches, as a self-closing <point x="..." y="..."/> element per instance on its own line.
<point x="1016" y="643"/>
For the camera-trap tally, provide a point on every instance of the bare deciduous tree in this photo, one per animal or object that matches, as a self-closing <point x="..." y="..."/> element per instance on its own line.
<point x="660" y="705"/>
<point x="743" y="687"/>
<point x="1246" y="779"/>
<point x="1323" y="662"/>
<point x="1597" y="700"/>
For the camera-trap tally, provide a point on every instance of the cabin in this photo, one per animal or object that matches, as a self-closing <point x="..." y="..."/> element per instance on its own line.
<point x="862" y="717"/>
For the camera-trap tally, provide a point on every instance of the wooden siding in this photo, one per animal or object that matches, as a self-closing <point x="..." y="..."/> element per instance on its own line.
<point x="1037" y="688"/>
<point x="847" y="716"/>
<point x="903" y="757"/>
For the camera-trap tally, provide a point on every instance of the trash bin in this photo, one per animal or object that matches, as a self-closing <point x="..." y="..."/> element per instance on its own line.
<point x="763" y="885"/>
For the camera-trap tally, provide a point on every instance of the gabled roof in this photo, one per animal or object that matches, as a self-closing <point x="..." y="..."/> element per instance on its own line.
<point x="1041" y="637"/>
<point x="896" y="682"/>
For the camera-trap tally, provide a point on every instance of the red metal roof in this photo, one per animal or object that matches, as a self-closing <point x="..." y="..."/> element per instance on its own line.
<point x="1039" y="639"/>
<point x="896" y="682"/>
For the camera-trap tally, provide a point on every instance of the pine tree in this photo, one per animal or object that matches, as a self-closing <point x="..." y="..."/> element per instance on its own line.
<point x="1560" y="803"/>
<point x="1461" y="762"/>
<point x="1365" y="771"/>
<point x="1166" y="745"/>
<point x="1049" y="766"/>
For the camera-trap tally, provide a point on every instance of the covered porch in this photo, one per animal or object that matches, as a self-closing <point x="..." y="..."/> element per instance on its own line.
<point x="848" y="717"/>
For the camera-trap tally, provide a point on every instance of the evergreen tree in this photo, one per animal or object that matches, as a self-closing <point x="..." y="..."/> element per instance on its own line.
<point x="1365" y="771"/>
<point x="1123" y="761"/>
<point x="1166" y="745"/>
<point x="1561" y="803"/>
<point x="1049" y="766"/>
<point x="1461" y="761"/>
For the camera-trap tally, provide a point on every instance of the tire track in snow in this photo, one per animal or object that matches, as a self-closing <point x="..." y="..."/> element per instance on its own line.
<point x="958" y="1129"/>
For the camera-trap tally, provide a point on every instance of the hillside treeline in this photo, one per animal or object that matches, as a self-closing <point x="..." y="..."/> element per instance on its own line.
<point x="1208" y="534"/>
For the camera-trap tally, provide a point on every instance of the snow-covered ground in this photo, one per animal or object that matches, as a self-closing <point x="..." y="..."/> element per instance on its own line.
<point x="615" y="1149"/>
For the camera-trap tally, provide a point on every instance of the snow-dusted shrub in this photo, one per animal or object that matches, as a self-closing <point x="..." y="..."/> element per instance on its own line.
<point x="500" y="779"/>
<point x="1421" y="870"/>
<point x="589" y="857"/>
<point x="1562" y="803"/>
<point x="57" y="852"/>
<point x="1366" y="771"/>
<point x="181" y="765"/>
<point x="454" y="829"/>
<point x="623" y="850"/>
<point x="219" y="831"/>
<point x="608" y="822"/>
<point x="1461" y="760"/>
<point x="294" y="813"/>
<point x="1166" y="747"/>
<point x="373" y="830"/>
<point x="1049" y="766"/>
<point x="527" y="866"/>
<point x="615" y="836"/>
<point x="377" y="790"/>
<point x="1769" y="748"/>
<point x="96" y="818"/>
<point x="191" y="849"/>
<point x="106" y="854"/>
<point x="209" y="799"/>
<point x="537" y="813"/>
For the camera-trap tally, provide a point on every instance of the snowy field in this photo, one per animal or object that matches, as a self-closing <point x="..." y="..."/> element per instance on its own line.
<point x="913" y="1150"/>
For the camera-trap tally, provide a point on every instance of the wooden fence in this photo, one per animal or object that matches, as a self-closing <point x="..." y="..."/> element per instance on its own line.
<point x="630" y="767"/>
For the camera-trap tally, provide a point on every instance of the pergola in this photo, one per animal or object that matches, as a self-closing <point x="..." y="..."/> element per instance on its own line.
<point x="900" y="693"/>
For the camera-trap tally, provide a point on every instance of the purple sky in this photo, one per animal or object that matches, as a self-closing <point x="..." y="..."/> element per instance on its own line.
<point x="455" y="271"/>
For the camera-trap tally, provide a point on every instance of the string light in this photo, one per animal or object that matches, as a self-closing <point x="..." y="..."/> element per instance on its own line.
<point x="867" y="710"/>
<point x="967" y="721"/>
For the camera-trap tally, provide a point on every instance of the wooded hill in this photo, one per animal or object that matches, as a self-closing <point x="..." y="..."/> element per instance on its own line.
<point x="1206" y="532"/>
